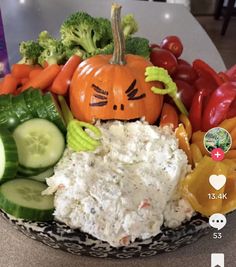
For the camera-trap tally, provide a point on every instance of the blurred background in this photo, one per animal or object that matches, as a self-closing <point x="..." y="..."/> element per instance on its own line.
<point x="218" y="18"/>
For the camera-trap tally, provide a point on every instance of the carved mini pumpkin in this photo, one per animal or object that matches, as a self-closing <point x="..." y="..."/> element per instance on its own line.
<point x="113" y="87"/>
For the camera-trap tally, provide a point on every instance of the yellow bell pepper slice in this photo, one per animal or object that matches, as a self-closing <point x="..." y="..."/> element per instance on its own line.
<point x="202" y="148"/>
<point x="231" y="165"/>
<point x="228" y="124"/>
<point x="233" y="136"/>
<point x="231" y="154"/>
<point x="196" y="187"/>
<point x="198" y="136"/>
<point x="182" y="136"/>
<point x="198" y="139"/>
<point x="187" y="124"/>
<point x="230" y="188"/>
<point x="196" y="154"/>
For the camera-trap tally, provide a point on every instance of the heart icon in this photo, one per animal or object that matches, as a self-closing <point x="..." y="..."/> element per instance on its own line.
<point x="217" y="181"/>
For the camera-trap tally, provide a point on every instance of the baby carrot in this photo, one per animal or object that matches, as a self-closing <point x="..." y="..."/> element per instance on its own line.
<point x="45" y="65"/>
<point x="24" y="80"/>
<point x="169" y="116"/>
<point x="35" y="72"/>
<point x="44" y="79"/>
<point x="21" y="70"/>
<point x="9" y="84"/>
<point x="62" y="81"/>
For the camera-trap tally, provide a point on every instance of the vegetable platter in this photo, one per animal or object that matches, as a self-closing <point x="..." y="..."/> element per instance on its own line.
<point x="98" y="71"/>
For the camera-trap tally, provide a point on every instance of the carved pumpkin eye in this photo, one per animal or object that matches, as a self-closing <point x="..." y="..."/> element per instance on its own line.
<point x="101" y="95"/>
<point x="132" y="92"/>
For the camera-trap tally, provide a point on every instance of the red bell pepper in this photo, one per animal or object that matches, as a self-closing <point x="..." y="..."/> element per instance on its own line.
<point x="195" y="113"/>
<point x="232" y="110"/>
<point x="199" y="103"/>
<point x="224" y="76"/>
<point x="205" y="72"/>
<point x="202" y="83"/>
<point x="218" y="105"/>
<point x="232" y="73"/>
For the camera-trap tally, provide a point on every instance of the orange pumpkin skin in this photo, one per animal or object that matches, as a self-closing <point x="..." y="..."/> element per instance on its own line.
<point x="98" y="90"/>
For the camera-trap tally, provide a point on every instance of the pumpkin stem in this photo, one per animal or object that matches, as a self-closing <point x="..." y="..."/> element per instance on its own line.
<point x="118" y="36"/>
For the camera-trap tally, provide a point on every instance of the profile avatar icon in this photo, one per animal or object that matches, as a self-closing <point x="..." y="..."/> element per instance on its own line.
<point x="217" y="138"/>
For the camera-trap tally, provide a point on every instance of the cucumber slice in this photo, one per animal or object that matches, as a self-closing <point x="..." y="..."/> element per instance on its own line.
<point x="20" y="108"/>
<point x="25" y="172"/>
<point x="5" y="101"/>
<point x="22" y="198"/>
<point x="29" y="102"/>
<point x="41" y="177"/>
<point x="8" y="156"/>
<point x="39" y="142"/>
<point x="8" y="118"/>
<point x="54" y="112"/>
<point x="37" y="103"/>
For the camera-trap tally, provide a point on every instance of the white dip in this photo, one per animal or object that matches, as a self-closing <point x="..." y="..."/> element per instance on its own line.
<point x="122" y="190"/>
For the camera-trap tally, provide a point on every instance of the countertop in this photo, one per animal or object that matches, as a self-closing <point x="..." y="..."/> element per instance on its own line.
<point x="23" y="20"/>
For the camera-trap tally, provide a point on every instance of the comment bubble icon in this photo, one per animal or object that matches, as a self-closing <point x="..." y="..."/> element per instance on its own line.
<point x="217" y="221"/>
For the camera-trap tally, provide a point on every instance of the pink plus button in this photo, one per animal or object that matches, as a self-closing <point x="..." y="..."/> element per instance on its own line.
<point x="217" y="154"/>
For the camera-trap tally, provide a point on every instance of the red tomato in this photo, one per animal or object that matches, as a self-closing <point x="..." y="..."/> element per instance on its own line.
<point x="163" y="58"/>
<point x="185" y="73"/>
<point x="186" y="92"/>
<point x="183" y="62"/>
<point x="154" y="46"/>
<point x="173" y="44"/>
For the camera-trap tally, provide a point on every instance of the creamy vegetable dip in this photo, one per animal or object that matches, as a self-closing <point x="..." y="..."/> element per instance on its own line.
<point x="126" y="189"/>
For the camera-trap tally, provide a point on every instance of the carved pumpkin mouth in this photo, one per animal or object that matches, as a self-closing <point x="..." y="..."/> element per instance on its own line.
<point x="131" y="120"/>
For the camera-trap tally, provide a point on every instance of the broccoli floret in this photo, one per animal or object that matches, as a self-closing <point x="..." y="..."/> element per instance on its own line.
<point x="82" y="30"/>
<point x="137" y="46"/>
<point x="134" y="45"/>
<point x="55" y="53"/>
<point x="29" y="51"/>
<point x="106" y="37"/>
<point x="45" y="39"/>
<point x="129" y="25"/>
<point x="106" y="50"/>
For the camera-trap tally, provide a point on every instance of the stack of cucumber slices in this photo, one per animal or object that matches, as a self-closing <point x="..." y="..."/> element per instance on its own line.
<point x="30" y="104"/>
<point x="32" y="140"/>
